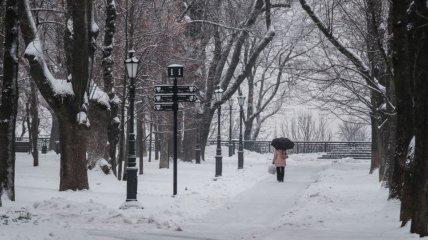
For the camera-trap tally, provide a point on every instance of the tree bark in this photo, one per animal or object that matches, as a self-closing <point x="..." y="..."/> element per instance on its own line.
<point x="403" y="85"/>
<point x="157" y="140"/>
<point x="418" y="202"/>
<point x="9" y="101"/>
<point x="73" y="171"/>
<point x="107" y="64"/>
<point x="140" y="143"/>
<point x="34" y="124"/>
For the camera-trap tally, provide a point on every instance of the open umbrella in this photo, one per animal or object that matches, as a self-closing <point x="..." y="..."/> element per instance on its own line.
<point x="282" y="143"/>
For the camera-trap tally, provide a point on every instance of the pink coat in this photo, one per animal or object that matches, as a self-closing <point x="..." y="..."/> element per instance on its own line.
<point x="279" y="158"/>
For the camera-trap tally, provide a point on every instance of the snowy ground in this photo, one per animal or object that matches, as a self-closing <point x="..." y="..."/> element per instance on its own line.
<point x="320" y="199"/>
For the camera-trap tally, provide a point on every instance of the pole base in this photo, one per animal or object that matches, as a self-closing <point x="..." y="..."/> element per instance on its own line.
<point x="131" y="204"/>
<point x="218" y="165"/>
<point x="240" y="159"/>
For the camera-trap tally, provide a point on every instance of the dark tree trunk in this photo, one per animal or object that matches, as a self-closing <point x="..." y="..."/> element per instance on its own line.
<point x="140" y="143"/>
<point x="404" y="91"/>
<point x="375" y="144"/>
<point x="374" y="41"/>
<point x="249" y="120"/>
<point x="34" y="124"/>
<point x="157" y="141"/>
<point x="9" y="101"/>
<point x="107" y="64"/>
<point x="73" y="171"/>
<point x="121" y="154"/>
<point x="248" y="129"/>
<point x="419" y="174"/>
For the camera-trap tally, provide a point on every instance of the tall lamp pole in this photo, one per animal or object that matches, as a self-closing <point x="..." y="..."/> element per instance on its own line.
<point x="131" y="169"/>
<point x="199" y="111"/>
<point x="230" y="128"/>
<point x="218" y="93"/>
<point x="241" y="102"/>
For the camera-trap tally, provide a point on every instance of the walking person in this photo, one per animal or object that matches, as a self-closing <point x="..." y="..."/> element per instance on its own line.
<point x="279" y="160"/>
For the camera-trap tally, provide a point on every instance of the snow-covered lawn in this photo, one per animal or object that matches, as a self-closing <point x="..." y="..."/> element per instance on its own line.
<point x="320" y="199"/>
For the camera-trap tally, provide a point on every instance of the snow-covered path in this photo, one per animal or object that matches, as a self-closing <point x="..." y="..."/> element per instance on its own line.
<point x="327" y="200"/>
<point x="253" y="211"/>
<point x="257" y="209"/>
<point x="320" y="199"/>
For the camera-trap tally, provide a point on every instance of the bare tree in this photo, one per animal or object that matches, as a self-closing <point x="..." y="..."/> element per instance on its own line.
<point x="353" y="131"/>
<point x="305" y="127"/>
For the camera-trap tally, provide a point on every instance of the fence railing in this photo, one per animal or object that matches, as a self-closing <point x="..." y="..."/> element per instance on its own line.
<point x="299" y="147"/>
<point x="23" y="145"/>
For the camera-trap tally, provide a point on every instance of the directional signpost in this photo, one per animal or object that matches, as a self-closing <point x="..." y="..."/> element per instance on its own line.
<point x="167" y="98"/>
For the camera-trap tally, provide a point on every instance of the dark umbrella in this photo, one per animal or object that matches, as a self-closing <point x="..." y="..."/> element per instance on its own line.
<point x="282" y="143"/>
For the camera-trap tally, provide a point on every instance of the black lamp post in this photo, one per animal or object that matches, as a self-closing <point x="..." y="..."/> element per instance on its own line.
<point x="199" y="110"/>
<point x="218" y="93"/>
<point x="241" y="102"/>
<point x="131" y="169"/>
<point x="230" y="128"/>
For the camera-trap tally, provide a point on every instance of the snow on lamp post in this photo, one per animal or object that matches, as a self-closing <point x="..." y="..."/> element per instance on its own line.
<point x="218" y="93"/>
<point x="131" y="65"/>
<point x="241" y="102"/>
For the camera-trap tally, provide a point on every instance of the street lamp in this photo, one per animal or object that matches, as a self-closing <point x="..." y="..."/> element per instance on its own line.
<point x="241" y="102"/>
<point x="199" y="110"/>
<point x="230" y="128"/>
<point x="131" y="169"/>
<point x="218" y="93"/>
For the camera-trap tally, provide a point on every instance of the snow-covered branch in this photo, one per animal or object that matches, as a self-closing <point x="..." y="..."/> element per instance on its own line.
<point x="348" y="53"/>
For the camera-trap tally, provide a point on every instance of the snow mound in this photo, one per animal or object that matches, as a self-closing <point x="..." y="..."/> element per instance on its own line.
<point x="94" y="213"/>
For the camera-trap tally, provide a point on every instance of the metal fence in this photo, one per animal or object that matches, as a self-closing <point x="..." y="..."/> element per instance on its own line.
<point x="23" y="145"/>
<point x="299" y="147"/>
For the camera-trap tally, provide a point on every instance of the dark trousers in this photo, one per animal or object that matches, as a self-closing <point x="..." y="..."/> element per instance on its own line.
<point x="280" y="174"/>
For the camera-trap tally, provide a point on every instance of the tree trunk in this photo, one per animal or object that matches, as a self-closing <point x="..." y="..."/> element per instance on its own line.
<point x="107" y="64"/>
<point x="73" y="170"/>
<point x="403" y="85"/>
<point x="375" y="145"/>
<point x="419" y="178"/>
<point x="71" y="106"/>
<point x="248" y="129"/>
<point x="54" y="135"/>
<point x="34" y="126"/>
<point x="9" y="101"/>
<point x="140" y="143"/>
<point x="189" y="138"/>
<point x="121" y="154"/>
<point x="157" y="141"/>
<point x="164" y="153"/>
<point x="205" y="130"/>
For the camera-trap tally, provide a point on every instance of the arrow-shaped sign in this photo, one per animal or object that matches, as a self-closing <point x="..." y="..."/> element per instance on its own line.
<point x="164" y="106"/>
<point x="180" y="97"/>
<point x="170" y="88"/>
